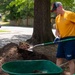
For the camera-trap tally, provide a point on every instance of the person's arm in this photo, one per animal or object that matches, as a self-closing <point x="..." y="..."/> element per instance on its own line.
<point x="57" y="33"/>
<point x="57" y="28"/>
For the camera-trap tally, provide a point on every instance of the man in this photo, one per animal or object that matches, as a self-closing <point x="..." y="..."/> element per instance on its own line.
<point x="65" y="29"/>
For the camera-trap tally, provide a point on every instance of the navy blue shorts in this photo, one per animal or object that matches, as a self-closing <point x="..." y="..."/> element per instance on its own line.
<point x="66" y="50"/>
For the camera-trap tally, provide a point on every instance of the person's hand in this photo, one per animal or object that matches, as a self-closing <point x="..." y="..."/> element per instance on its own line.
<point x="56" y="40"/>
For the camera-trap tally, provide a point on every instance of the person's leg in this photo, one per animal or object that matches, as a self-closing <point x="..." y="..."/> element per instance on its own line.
<point x="60" y="54"/>
<point x="70" y="55"/>
<point x="72" y="67"/>
<point x="59" y="61"/>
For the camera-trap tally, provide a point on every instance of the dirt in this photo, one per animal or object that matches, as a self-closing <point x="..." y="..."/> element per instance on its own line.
<point x="12" y="51"/>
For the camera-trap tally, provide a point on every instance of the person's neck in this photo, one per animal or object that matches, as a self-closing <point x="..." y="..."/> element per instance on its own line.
<point x="62" y="12"/>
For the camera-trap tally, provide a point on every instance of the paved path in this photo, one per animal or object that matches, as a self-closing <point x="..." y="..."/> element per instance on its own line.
<point x="14" y="34"/>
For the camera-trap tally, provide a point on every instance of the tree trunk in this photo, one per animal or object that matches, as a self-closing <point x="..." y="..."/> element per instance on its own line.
<point x="42" y="27"/>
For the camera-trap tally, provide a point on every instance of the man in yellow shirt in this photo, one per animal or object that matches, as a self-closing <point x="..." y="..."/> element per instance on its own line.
<point x="65" y="29"/>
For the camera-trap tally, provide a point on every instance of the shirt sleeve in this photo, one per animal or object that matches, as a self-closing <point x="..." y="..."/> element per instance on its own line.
<point x="56" y="23"/>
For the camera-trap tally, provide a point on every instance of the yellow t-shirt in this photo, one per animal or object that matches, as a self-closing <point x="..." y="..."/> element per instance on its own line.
<point x="66" y="24"/>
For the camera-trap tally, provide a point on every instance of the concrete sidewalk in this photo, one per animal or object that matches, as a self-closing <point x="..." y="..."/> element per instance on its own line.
<point x="14" y="34"/>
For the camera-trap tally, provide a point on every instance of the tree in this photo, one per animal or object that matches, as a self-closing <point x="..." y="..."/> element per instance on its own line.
<point x="42" y="27"/>
<point x="16" y="10"/>
<point x="20" y="9"/>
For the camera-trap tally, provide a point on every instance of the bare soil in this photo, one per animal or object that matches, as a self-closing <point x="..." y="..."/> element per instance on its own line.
<point x="12" y="52"/>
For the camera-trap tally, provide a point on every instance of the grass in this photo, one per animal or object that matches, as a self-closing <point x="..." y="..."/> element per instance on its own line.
<point x="4" y="23"/>
<point x="4" y="31"/>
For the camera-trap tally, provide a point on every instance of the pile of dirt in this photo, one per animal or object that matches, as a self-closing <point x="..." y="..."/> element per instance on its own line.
<point x="12" y="51"/>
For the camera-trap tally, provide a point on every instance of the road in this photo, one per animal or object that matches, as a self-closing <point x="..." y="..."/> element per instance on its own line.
<point x="14" y="34"/>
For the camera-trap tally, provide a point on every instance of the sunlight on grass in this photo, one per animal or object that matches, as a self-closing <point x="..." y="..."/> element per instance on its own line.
<point x="4" y="23"/>
<point x="4" y="31"/>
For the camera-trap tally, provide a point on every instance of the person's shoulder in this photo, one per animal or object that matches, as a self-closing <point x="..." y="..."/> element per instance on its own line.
<point x="57" y="16"/>
<point x="70" y="12"/>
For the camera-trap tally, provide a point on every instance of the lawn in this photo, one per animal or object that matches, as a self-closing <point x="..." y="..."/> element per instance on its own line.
<point x="2" y="30"/>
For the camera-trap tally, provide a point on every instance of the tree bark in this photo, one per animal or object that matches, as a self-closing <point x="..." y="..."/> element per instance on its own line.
<point x="42" y="27"/>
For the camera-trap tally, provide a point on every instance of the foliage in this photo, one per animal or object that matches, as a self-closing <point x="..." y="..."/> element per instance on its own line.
<point x="16" y="9"/>
<point x="3" y="4"/>
<point x="22" y="8"/>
